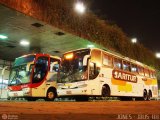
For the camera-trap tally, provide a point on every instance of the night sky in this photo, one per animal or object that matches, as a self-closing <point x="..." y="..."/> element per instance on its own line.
<point x="137" y="18"/>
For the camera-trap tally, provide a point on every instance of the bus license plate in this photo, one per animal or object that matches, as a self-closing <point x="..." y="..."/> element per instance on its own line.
<point x="15" y="94"/>
<point x="68" y="92"/>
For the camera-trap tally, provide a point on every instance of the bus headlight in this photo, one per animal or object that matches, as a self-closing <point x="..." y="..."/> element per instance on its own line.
<point x="26" y="90"/>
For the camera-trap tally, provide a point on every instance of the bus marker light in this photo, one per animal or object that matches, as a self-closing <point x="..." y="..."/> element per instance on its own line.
<point x="69" y="56"/>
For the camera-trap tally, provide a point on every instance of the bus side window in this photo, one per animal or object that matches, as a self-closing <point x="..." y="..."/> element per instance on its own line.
<point x="141" y="70"/>
<point x="96" y="57"/>
<point x="107" y="60"/>
<point x="154" y="74"/>
<point x="95" y="63"/>
<point x="134" y="68"/>
<point x="151" y="74"/>
<point x="146" y="72"/>
<point x="126" y="66"/>
<point x="93" y="70"/>
<point x="54" y="65"/>
<point x="117" y="63"/>
<point x="54" y="69"/>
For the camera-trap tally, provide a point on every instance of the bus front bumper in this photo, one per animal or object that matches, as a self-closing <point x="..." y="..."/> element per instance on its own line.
<point x="71" y="92"/>
<point x="23" y="93"/>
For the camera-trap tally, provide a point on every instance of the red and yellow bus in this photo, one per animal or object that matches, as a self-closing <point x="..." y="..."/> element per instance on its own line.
<point x="34" y="76"/>
<point x="96" y="72"/>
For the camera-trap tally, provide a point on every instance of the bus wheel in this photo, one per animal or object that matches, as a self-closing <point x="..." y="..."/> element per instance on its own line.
<point x="51" y="95"/>
<point x="8" y="98"/>
<point x="149" y="96"/>
<point x="105" y="91"/>
<point x="145" y="96"/>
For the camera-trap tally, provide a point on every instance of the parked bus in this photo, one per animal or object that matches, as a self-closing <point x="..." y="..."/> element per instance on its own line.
<point x="34" y="76"/>
<point x="94" y="72"/>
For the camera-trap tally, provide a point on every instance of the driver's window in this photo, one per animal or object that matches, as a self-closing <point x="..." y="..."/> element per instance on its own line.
<point x="91" y="70"/>
<point x="40" y="69"/>
<point x="95" y="63"/>
<point x="54" y="68"/>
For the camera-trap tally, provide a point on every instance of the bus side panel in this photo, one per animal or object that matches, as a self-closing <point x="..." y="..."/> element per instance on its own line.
<point x="39" y="91"/>
<point x="51" y="81"/>
<point x="120" y="87"/>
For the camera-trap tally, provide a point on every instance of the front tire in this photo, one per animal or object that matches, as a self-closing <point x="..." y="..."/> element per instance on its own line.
<point x="105" y="91"/>
<point x="51" y="95"/>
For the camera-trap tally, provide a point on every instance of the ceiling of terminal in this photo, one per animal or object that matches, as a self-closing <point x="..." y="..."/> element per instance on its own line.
<point x="42" y="37"/>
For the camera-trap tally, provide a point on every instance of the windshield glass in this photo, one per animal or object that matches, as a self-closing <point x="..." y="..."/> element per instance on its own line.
<point x="23" y="60"/>
<point x="72" y="69"/>
<point x="19" y="75"/>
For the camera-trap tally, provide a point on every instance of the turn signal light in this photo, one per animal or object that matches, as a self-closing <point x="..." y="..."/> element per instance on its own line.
<point x="68" y="56"/>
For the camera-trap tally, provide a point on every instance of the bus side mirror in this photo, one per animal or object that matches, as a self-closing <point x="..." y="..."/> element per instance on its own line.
<point x="92" y="67"/>
<point x="85" y="60"/>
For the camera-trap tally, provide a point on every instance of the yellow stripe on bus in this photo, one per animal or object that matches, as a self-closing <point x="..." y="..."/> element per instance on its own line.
<point x="118" y="82"/>
<point x="126" y="88"/>
<point x="150" y="82"/>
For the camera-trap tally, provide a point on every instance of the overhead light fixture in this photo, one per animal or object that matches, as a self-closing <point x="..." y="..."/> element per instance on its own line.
<point x="157" y="55"/>
<point x="134" y="40"/>
<point x="3" y="37"/>
<point x="80" y="7"/>
<point x="24" y="43"/>
<point x="90" y="46"/>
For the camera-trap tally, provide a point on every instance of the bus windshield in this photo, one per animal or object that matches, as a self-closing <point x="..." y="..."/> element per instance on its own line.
<point x="19" y="73"/>
<point x="23" y="60"/>
<point x="72" y="69"/>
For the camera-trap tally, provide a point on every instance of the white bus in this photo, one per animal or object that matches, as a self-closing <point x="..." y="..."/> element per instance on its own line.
<point x="34" y="76"/>
<point x="96" y="72"/>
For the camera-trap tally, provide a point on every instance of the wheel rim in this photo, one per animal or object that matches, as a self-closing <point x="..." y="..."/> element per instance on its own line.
<point x="104" y="92"/>
<point x="149" y="96"/>
<point x="50" y="95"/>
<point x="145" y="96"/>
